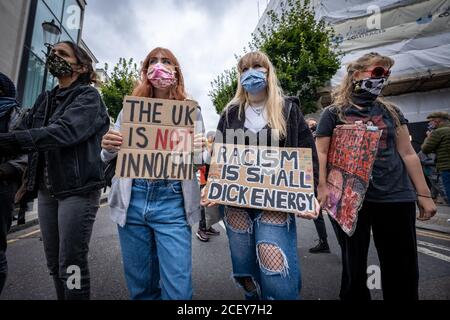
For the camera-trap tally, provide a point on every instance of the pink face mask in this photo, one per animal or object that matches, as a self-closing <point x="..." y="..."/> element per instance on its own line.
<point x="160" y="77"/>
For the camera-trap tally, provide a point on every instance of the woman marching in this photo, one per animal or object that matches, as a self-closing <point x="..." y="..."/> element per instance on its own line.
<point x="154" y="216"/>
<point x="62" y="136"/>
<point x="263" y="244"/>
<point x="389" y="208"/>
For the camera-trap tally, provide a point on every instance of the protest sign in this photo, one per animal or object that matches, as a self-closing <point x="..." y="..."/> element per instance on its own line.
<point x="352" y="153"/>
<point x="158" y="139"/>
<point x="266" y="178"/>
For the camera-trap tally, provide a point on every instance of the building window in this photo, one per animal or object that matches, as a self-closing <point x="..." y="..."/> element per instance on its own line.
<point x="33" y="84"/>
<point x="56" y="6"/>
<point x="42" y="14"/>
<point x="68" y="11"/>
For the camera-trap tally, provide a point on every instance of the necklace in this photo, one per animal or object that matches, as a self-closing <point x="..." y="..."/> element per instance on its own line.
<point x="258" y="110"/>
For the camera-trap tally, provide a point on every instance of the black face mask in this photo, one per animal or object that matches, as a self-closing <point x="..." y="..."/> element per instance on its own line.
<point x="366" y="91"/>
<point x="58" y="67"/>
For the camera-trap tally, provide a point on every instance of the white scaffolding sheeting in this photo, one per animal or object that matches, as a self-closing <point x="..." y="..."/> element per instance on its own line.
<point x="335" y="11"/>
<point x="415" y="33"/>
<point x="417" y="106"/>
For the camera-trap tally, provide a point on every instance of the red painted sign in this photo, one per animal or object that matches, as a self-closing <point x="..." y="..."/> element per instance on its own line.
<point x="352" y="153"/>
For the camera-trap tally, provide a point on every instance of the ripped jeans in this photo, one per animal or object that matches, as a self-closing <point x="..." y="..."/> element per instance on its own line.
<point x="263" y="247"/>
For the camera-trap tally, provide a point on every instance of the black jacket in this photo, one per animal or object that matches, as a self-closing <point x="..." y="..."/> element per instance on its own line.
<point x="66" y="128"/>
<point x="298" y="133"/>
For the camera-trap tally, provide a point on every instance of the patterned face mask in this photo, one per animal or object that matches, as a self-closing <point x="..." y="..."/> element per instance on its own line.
<point x="58" y="67"/>
<point x="371" y="85"/>
<point x="160" y="77"/>
<point x="365" y="92"/>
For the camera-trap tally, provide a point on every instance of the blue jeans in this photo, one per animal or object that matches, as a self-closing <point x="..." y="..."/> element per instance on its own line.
<point x="156" y="242"/>
<point x="446" y="182"/>
<point x="263" y="249"/>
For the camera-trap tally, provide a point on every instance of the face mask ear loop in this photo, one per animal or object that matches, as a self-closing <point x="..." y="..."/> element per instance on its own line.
<point x="47" y="53"/>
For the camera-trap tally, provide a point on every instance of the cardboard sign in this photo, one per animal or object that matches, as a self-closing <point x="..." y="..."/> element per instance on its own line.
<point x="352" y="153"/>
<point x="158" y="139"/>
<point x="267" y="178"/>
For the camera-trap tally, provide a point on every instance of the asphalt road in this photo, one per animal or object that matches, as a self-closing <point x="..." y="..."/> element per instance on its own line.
<point x="28" y="277"/>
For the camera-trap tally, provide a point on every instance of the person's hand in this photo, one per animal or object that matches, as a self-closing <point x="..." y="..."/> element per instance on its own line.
<point x="199" y="142"/>
<point x="427" y="208"/>
<point x="428" y="134"/>
<point x="112" y="141"/>
<point x="9" y="146"/>
<point x="312" y="215"/>
<point x="322" y="195"/>
<point x="204" y="202"/>
<point x="8" y="173"/>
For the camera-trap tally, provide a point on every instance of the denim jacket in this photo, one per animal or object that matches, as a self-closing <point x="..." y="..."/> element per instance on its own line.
<point x="120" y="194"/>
<point x="70" y="141"/>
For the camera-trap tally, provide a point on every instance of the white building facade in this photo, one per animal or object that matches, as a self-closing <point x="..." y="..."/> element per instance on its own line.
<point x="415" y="33"/>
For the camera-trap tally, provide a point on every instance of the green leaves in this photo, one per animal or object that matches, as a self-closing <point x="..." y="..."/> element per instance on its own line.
<point x="224" y="89"/>
<point x="300" y="49"/>
<point x="122" y="81"/>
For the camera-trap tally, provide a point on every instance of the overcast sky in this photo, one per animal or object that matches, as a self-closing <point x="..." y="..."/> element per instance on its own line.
<point x="203" y="34"/>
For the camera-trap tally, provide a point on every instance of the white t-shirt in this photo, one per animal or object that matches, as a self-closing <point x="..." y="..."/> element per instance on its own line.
<point x="255" y="118"/>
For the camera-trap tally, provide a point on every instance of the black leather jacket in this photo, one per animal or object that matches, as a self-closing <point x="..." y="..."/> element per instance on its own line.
<point x="68" y="139"/>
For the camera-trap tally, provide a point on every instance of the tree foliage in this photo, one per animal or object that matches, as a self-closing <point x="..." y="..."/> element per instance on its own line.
<point x="121" y="83"/>
<point x="224" y="88"/>
<point x="300" y="49"/>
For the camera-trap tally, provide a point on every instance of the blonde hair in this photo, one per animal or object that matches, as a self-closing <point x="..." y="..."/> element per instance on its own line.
<point x="342" y="94"/>
<point x="275" y="98"/>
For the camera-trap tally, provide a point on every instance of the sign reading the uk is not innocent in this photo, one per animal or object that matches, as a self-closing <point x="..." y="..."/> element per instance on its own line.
<point x="158" y="139"/>
<point x="269" y="178"/>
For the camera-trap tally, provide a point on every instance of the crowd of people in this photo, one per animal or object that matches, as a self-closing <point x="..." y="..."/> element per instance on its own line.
<point x="57" y="151"/>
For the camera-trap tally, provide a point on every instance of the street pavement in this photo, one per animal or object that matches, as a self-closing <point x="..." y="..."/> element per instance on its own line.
<point x="28" y="276"/>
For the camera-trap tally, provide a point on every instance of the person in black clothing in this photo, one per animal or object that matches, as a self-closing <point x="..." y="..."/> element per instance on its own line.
<point x="263" y="244"/>
<point x="11" y="170"/>
<point x="397" y="182"/>
<point x="319" y="223"/>
<point x="62" y="137"/>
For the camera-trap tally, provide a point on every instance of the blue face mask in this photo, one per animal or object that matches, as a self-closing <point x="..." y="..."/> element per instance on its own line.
<point x="6" y="104"/>
<point x="254" y="81"/>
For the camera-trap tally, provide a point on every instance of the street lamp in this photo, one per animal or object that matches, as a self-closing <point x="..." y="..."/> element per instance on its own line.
<point x="52" y="34"/>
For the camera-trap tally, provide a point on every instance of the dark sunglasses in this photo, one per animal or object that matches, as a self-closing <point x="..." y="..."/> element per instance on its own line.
<point x="379" y="72"/>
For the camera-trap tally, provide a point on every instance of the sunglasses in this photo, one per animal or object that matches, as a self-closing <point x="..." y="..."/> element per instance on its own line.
<point x="379" y="72"/>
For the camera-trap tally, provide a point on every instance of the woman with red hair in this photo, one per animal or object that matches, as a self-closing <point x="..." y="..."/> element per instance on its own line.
<point x="155" y="216"/>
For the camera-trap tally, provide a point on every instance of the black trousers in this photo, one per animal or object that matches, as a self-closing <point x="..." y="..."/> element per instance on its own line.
<point x="66" y="227"/>
<point x="6" y="212"/>
<point x="321" y="228"/>
<point x="394" y="233"/>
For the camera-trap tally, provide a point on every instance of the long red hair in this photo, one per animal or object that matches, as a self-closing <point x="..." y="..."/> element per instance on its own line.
<point x="145" y="89"/>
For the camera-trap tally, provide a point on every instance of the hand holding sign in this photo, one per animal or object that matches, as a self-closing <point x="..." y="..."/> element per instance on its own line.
<point x="112" y="141"/>
<point x="199" y="142"/>
<point x="323" y="195"/>
<point x="158" y="139"/>
<point x="266" y="178"/>
<point x="310" y="215"/>
<point x="205" y="202"/>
